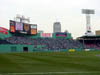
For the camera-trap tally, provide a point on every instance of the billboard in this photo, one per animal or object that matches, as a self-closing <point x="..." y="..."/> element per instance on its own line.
<point x="46" y="35"/>
<point x="23" y="28"/>
<point x="61" y="34"/>
<point x="12" y="26"/>
<point x="33" y="29"/>
<point x="19" y="26"/>
<point x="26" y="27"/>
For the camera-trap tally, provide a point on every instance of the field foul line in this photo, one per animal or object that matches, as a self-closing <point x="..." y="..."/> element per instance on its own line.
<point x="41" y="73"/>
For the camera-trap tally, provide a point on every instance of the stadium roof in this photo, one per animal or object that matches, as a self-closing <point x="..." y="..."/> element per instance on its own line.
<point x="97" y="37"/>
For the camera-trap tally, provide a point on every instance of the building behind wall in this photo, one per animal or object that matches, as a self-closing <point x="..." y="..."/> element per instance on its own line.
<point x="56" y="27"/>
<point x="98" y="32"/>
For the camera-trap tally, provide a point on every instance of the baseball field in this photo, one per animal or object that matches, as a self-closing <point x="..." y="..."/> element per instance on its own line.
<point x="50" y="63"/>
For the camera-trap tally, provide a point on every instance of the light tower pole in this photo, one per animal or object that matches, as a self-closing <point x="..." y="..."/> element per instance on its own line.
<point x="88" y="23"/>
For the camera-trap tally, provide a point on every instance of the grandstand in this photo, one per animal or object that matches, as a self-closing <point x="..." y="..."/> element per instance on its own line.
<point x="23" y="37"/>
<point x="39" y="43"/>
<point x="90" y="42"/>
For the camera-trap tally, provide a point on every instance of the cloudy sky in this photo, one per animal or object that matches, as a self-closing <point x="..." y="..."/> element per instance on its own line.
<point x="46" y="12"/>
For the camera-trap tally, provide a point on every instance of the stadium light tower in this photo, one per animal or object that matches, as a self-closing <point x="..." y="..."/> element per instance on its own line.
<point x="88" y="24"/>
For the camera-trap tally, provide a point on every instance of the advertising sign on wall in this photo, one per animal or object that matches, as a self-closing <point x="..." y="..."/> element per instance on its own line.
<point x="46" y="35"/>
<point x="61" y="34"/>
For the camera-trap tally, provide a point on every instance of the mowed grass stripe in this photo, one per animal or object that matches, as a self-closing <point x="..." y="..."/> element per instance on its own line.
<point x="7" y="65"/>
<point x="61" y="63"/>
<point x="50" y="62"/>
<point x="57" y="61"/>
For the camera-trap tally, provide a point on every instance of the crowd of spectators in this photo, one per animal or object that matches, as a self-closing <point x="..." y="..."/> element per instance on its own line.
<point x="45" y="43"/>
<point x="92" y="46"/>
<point x="51" y="43"/>
<point x="4" y="42"/>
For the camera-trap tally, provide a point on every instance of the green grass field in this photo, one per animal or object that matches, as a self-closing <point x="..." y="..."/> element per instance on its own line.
<point x="51" y="63"/>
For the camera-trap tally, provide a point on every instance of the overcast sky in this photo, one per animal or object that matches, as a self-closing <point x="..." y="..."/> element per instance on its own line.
<point x="45" y="12"/>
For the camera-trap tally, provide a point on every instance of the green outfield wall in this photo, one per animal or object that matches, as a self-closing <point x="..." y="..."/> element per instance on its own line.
<point x="8" y="48"/>
<point x="15" y="48"/>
